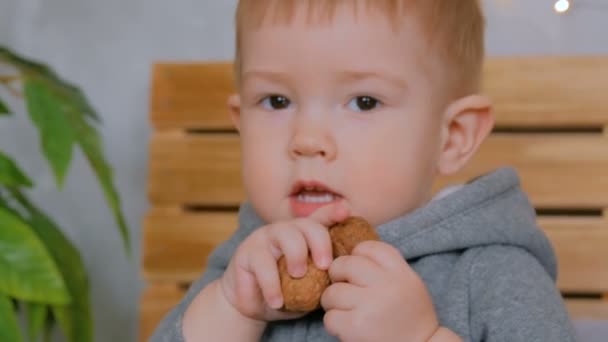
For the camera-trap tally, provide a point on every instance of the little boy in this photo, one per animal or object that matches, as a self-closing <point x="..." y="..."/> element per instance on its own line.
<point x="354" y="107"/>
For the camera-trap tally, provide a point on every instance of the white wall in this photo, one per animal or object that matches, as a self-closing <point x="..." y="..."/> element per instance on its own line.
<point x="107" y="47"/>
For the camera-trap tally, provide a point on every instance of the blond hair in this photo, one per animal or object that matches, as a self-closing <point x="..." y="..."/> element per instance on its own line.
<point x="454" y="28"/>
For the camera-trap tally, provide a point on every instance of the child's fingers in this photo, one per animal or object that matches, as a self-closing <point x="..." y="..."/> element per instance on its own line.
<point x="264" y="268"/>
<point x="340" y="296"/>
<point x="331" y="214"/>
<point x="337" y="323"/>
<point x="383" y="254"/>
<point x="318" y="241"/>
<point x="293" y="246"/>
<point x="355" y="270"/>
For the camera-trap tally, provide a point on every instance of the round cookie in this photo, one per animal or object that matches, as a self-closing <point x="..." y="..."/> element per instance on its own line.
<point x="302" y="294"/>
<point x="349" y="233"/>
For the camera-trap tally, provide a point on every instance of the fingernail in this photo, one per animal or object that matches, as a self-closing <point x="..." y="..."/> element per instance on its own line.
<point x="276" y="303"/>
<point x="299" y="271"/>
<point x="324" y="262"/>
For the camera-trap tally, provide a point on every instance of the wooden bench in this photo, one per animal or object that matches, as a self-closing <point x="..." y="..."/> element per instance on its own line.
<point x="552" y="125"/>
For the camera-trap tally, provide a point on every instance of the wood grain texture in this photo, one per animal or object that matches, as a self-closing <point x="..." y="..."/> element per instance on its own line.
<point x="177" y="244"/>
<point x="587" y="309"/>
<point x="558" y="170"/>
<point x="526" y="91"/>
<point x="191" y="95"/>
<point x="548" y="91"/>
<point x="195" y="169"/>
<point x="579" y="241"/>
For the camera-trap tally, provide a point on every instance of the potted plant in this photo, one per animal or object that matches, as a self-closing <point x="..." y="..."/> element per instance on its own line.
<point x="42" y="277"/>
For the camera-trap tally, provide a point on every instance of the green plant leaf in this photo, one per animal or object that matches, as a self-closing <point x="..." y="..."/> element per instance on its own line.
<point x="41" y="71"/>
<point x="47" y="90"/>
<point x="28" y="271"/>
<point x="36" y="315"/>
<point x="49" y="327"/>
<point x="4" y="109"/>
<point x="48" y="113"/>
<point x="91" y="145"/>
<point x="10" y="174"/>
<point x="80" y="100"/>
<point x="9" y="327"/>
<point x="24" y="64"/>
<point x="75" y="319"/>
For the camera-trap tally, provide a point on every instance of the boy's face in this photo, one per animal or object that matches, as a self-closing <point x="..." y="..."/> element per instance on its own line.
<point x="342" y="110"/>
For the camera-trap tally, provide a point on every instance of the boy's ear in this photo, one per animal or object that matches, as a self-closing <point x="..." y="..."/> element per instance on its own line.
<point x="467" y="122"/>
<point x="234" y="107"/>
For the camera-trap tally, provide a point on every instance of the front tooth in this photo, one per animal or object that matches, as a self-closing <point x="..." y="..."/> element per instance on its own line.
<point x="315" y="199"/>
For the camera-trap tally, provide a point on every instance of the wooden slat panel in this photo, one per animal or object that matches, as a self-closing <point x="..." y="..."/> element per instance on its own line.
<point x="191" y="95"/>
<point x="156" y="302"/>
<point x="176" y="246"/>
<point x="582" y="253"/>
<point x="557" y="170"/>
<point x="587" y="309"/>
<point x="548" y="91"/>
<point x="201" y="169"/>
<point x="527" y="91"/>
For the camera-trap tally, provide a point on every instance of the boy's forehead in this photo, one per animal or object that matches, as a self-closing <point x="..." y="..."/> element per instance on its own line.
<point x="343" y="52"/>
<point x="339" y="22"/>
<point x="256" y="13"/>
<point x="451" y="33"/>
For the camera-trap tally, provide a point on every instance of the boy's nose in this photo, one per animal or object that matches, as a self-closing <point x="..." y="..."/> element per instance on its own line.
<point x="312" y="143"/>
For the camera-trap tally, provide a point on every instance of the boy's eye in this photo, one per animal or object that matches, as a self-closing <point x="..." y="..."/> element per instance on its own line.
<point x="364" y="103"/>
<point x="275" y="102"/>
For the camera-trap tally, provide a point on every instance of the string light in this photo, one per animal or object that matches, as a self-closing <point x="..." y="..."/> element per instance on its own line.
<point x="561" y="6"/>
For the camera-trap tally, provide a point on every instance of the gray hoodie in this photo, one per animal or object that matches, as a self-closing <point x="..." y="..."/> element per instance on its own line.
<point x="489" y="269"/>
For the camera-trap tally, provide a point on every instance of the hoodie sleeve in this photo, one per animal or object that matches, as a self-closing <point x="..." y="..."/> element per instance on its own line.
<point x="170" y="328"/>
<point x="515" y="299"/>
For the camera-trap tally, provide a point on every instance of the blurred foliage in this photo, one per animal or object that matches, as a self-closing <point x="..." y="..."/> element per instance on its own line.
<point x="43" y="276"/>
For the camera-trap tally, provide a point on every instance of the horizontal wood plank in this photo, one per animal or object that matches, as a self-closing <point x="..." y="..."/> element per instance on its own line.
<point x="526" y="91"/>
<point x="557" y="171"/>
<point x="191" y="95"/>
<point x="195" y="169"/>
<point x="588" y="309"/>
<point x="580" y="245"/>
<point x="177" y="244"/>
<point x="548" y="91"/>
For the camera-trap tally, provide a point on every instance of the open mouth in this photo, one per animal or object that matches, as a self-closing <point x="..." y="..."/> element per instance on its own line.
<point x="315" y="196"/>
<point x="306" y="197"/>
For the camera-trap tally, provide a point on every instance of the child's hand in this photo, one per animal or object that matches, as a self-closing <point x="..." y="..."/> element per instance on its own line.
<point x="251" y="282"/>
<point x="376" y="296"/>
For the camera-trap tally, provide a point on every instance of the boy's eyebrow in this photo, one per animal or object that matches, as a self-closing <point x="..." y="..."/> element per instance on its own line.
<point x="349" y="75"/>
<point x="346" y="75"/>
<point x="264" y="74"/>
